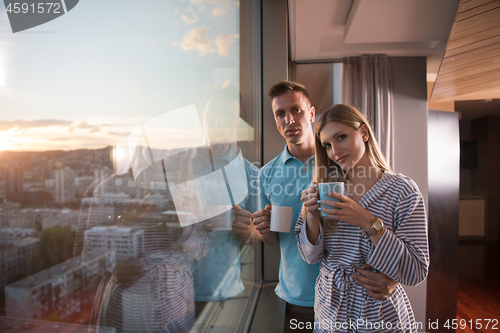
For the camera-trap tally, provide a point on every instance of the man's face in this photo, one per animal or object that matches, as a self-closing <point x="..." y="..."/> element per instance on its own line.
<point x="293" y="115"/>
<point x="220" y="119"/>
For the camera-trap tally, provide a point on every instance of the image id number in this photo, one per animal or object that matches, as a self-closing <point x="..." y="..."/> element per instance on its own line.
<point x="40" y="8"/>
<point x="472" y="324"/>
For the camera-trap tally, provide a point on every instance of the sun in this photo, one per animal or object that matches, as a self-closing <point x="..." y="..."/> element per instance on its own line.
<point x="5" y="141"/>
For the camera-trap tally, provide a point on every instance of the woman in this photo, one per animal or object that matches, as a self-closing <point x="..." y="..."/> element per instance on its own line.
<point x="380" y="222"/>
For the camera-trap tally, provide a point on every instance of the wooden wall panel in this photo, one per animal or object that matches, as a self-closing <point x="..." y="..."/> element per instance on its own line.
<point x="466" y="5"/>
<point x="471" y="62"/>
<point x="478" y="46"/>
<point x="464" y="14"/>
<point x="468" y="57"/>
<point x="475" y="29"/>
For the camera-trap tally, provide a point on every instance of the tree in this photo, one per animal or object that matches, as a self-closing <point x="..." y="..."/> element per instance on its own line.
<point x="38" y="225"/>
<point x="56" y="245"/>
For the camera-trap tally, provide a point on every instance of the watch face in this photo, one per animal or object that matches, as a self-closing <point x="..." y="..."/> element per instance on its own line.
<point x="378" y="225"/>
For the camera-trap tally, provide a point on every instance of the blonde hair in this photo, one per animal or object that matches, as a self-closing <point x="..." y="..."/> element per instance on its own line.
<point x="327" y="170"/>
<point x="350" y="116"/>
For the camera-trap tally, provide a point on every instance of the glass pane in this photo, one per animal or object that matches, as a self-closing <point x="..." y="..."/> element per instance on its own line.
<point x="128" y="145"/>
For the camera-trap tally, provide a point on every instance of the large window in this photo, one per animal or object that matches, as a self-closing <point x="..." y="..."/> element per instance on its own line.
<point x="129" y="131"/>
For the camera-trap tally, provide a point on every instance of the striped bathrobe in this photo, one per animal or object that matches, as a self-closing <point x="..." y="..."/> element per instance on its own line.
<point x="402" y="254"/>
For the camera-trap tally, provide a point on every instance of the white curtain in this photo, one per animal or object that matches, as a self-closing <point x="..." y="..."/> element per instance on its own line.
<point x="367" y="85"/>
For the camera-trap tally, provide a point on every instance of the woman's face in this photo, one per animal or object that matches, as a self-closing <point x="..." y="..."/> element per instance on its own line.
<point x="345" y="145"/>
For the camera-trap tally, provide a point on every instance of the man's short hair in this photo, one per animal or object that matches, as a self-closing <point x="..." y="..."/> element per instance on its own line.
<point x="221" y="97"/>
<point x="283" y="87"/>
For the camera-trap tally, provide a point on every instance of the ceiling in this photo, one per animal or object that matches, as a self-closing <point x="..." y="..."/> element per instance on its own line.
<point x="328" y="30"/>
<point x="323" y="30"/>
<point x="475" y="109"/>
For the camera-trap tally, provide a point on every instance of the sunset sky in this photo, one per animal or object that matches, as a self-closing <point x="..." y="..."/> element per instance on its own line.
<point x="93" y="75"/>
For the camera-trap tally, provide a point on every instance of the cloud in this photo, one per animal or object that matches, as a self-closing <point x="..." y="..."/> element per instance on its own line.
<point x="220" y="6"/>
<point x="223" y="41"/>
<point x="200" y="4"/>
<point x="121" y="134"/>
<point x="85" y="125"/>
<point x="69" y="142"/>
<point x="70" y="126"/>
<point x="6" y="125"/>
<point x="39" y="139"/>
<point x="196" y="39"/>
<point x="190" y="20"/>
<point x="218" y="11"/>
<point x="49" y="134"/>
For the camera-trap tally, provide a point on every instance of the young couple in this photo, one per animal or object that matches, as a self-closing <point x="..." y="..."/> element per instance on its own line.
<point x="345" y="261"/>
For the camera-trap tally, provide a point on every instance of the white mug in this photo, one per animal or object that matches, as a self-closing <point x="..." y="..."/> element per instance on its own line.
<point x="223" y="217"/>
<point x="281" y="218"/>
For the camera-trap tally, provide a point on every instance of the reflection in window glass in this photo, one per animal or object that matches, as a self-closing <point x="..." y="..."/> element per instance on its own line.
<point x="127" y="152"/>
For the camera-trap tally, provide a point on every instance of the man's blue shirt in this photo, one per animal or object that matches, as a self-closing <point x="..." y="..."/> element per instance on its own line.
<point x="281" y="182"/>
<point x="217" y="276"/>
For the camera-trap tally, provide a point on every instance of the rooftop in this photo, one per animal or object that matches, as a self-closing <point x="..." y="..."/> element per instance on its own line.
<point x="56" y="271"/>
<point x="27" y="241"/>
<point x="113" y="229"/>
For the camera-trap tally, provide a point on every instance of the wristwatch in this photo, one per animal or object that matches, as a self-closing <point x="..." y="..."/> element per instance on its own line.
<point x="376" y="227"/>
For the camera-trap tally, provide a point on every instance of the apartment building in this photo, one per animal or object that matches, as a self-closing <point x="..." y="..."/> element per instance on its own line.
<point x="13" y="235"/>
<point x="65" y="187"/>
<point x="82" y="184"/>
<point x="126" y="242"/>
<point x="10" y="217"/>
<point x="15" y="258"/>
<point x="59" y="289"/>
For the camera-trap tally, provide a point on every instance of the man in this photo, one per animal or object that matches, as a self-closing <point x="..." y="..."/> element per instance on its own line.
<point x="217" y="275"/>
<point x="281" y="182"/>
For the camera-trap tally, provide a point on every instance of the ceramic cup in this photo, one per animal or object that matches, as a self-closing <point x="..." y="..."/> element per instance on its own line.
<point x="324" y="188"/>
<point x="281" y="218"/>
<point x="223" y="217"/>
